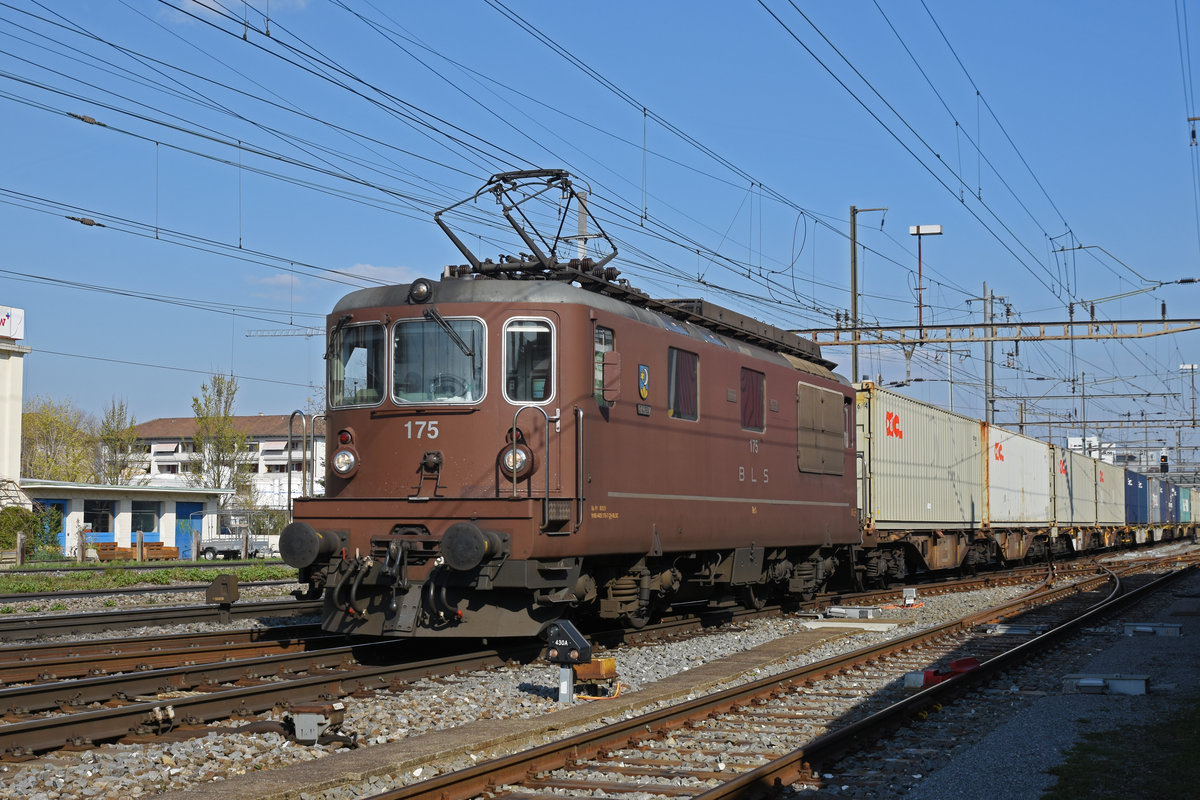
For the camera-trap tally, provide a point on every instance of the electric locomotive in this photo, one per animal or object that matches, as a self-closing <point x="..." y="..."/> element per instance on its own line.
<point x="528" y="439"/>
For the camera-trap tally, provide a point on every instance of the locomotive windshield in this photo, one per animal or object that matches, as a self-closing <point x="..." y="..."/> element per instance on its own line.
<point x="432" y="365"/>
<point x="357" y="365"/>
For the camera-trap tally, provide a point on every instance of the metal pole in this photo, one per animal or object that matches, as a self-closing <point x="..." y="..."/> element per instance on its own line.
<point x="950" y="371"/>
<point x="854" y="292"/>
<point x="1083" y="408"/>
<point x="854" y="376"/>
<point x="920" y="288"/>
<point x="989" y="401"/>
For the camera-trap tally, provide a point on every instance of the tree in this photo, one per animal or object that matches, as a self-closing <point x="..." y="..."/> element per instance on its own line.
<point x="221" y="453"/>
<point x="39" y="525"/>
<point x="117" y="438"/>
<point x="57" y="442"/>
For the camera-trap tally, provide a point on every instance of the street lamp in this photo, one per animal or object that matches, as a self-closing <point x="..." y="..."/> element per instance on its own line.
<point x="921" y="231"/>
<point x="1192" y="369"/>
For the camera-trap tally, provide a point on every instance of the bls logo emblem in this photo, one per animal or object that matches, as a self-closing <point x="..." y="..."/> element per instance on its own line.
<point x="999" y="451"/>
<point x="893" y="425"/>
<point x="643" y="381"/>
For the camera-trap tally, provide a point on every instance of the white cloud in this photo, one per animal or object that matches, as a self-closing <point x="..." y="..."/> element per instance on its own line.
<point x="282" y="279"/>
<point x="390" y="275"/>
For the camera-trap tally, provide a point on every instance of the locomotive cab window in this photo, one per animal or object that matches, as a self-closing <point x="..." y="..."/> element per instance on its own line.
<point x="528" y="360"/>
<point x="357" y="365"/>
<point x="607" y="368"/>
<point x="754" y="390"/>
<point x="438" y="360"/>
<point x="683" y="382"/>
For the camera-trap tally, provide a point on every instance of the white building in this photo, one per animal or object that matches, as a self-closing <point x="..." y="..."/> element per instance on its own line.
<point x="277" y="465"/>
<point x="12" y="367"/>
<point x="118" y="513"/>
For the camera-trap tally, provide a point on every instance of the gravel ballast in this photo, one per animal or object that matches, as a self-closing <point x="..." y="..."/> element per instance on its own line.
<point x="430" y="727"/>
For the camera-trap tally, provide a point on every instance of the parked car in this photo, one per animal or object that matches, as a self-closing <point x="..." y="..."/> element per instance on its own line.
<point x="228" y="544"/>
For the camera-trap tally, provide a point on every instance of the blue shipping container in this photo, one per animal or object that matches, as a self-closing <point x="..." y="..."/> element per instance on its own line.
<point x="1137" y="511"/>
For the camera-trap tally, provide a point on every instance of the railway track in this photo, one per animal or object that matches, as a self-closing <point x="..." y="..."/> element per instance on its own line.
<point x="85" y="692"/>
<point x="178" y="588"/>
<point x="45" y="626"/>
<point x="754" y="738"/>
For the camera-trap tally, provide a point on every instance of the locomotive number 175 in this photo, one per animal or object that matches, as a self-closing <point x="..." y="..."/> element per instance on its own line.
<point x="421" y="429"/>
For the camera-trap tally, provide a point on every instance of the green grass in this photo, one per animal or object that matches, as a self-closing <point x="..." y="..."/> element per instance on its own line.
<point x="121" y="578"/>
<point x="1135" y="762"/>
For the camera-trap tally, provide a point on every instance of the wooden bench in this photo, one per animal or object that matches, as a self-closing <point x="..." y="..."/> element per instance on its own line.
<point x="157" y="551"/>
<point x="108" y="551"/>
<point x="151" y="551"/>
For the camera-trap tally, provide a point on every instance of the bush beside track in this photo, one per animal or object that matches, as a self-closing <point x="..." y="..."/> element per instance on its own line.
<point x="67" y="579"/>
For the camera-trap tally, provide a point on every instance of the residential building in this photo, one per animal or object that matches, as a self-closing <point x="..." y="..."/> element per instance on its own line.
<point x="278" y="465"/>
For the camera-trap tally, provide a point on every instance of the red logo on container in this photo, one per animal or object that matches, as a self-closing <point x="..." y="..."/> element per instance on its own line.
<point x="1062" y="466"/>
<point x="893" y="425"/>
<point x="998" y="450"/>
<point x="1102" y="476"/>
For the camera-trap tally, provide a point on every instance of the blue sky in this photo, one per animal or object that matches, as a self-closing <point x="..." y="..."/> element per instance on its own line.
<point x="247" y="181"/>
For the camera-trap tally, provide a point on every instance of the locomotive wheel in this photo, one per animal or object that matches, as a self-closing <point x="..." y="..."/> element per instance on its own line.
<point x="752" y="596"/>
<point x="638" y="620"/>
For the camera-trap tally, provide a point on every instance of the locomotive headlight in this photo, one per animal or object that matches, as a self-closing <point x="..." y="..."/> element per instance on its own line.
<point x="344" y="462"/>
<point x="420" y="290"/>
<point x="514" y="460"/>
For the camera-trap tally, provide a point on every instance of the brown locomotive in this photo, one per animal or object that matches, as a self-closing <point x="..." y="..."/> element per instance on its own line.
<point x="526" y="440"/>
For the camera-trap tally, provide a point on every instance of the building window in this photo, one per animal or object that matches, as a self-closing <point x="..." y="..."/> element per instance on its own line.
<point x="98" y="515"/>
<point x="168" y="469"/>
<point x="145" y="516"/>
<point x="528" y="360"/>
<point x="754" y="389"/>
<point x="683" y="381"/>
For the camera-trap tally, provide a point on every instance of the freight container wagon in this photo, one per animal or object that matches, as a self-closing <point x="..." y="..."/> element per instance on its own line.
<point x="1019" y="489"/>
<point x="924" y="465"/>
<point x="1074" y="489"/>
<point x="1110" y="495"/>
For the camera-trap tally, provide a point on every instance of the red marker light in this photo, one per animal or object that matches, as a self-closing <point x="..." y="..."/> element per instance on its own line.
<point x="344" y="437"/>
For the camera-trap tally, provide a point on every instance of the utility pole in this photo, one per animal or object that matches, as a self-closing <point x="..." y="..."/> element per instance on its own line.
<point x="1083" y="408"/>
<point x="854" y="211"/>
<point x="1191" y="368"/>
<point x="989" y="399"/>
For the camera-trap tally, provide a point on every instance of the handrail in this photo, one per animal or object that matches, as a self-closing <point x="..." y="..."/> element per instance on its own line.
<point x="303" y="456"/>
<point x="578" y="467"/>
<point x="513" y="449"/>
<point x="312" y="473"/>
